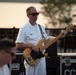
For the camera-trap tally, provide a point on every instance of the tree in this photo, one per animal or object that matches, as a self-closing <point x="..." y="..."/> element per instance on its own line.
<point x="57" y="11"/>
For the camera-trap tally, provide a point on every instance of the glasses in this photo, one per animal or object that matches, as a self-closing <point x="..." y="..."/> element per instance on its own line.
<point x="34" y="14"/>
<point x="12" y="54"/>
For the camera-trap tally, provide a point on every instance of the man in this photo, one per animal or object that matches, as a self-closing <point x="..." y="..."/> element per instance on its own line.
<point x="7" y="54"/>
<point x="28" y="37"/>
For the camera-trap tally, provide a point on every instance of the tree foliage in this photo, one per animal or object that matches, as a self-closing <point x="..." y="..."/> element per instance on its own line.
<point x="57" y="11"/>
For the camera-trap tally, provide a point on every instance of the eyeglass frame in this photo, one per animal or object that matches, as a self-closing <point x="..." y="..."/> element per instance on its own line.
<point x="12" y="54"/>
<point x="34" y="14"/>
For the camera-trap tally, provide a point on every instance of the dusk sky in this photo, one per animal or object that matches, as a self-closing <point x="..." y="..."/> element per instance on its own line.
<point x="14" y="14"/>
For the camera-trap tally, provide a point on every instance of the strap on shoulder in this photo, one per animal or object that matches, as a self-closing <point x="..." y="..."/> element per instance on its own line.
<point x="41" y="31"/>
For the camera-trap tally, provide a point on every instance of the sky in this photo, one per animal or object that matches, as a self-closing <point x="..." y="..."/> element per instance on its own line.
<point x="14" y="14"/>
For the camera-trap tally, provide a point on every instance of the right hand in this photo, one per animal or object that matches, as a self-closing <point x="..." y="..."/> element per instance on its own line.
<point x="35" y="48"/>
<point x="63" y="32"/>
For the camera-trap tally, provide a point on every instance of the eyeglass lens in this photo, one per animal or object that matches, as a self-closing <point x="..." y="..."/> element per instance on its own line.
<point x="34" y="14"/>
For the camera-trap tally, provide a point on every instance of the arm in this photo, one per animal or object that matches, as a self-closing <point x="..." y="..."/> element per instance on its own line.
<point x="50" y="38"/>
<point x="26" y="45"/>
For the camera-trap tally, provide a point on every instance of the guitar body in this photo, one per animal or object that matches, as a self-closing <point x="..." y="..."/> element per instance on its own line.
<point x="32" y="57"/>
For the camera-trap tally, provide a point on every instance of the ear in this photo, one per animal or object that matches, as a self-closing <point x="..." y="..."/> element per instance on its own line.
<point x="27" y="15"/>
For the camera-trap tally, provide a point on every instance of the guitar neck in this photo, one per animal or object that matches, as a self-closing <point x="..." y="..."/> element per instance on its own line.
<point x="68" y="29"/>
<point x="52" y="41"/>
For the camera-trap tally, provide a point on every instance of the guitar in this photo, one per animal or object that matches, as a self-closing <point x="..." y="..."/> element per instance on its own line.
<point x="33" y="58"/>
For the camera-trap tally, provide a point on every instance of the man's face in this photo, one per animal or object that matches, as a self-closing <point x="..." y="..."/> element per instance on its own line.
<point x="33" y="14"/>
<point x="9" y="55"/>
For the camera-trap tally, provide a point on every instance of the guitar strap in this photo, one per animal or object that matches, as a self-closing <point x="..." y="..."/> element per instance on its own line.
<point x="41" y="31"/>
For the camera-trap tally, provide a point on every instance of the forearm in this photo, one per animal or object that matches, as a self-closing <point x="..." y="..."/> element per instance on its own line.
<point x="49" y="39"/>
<point x="23" y="45"/>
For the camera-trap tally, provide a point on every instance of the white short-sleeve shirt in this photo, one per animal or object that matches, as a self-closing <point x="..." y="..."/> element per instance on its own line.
<point x="4" y="70"/>
<point x="31" y="34"/>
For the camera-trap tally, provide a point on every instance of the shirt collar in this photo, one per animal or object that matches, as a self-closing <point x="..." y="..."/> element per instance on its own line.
<point x="29" y="24"/>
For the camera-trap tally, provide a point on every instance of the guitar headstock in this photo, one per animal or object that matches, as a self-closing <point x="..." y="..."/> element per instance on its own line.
<point x="71" y="27"/>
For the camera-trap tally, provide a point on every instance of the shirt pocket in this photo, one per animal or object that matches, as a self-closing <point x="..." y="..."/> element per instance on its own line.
<point x="31" y="36"/>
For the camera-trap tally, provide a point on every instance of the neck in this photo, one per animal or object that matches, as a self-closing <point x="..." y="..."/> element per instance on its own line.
<point x="1" y="61"/>
<point x="32" y="23"/>
<point x="1" y="64"/>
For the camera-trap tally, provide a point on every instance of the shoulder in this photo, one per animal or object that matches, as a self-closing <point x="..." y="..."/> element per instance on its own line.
<point x="42" y="26"/>
<point x="6" y="70"/>
<point x="24" y="27"/>
<point x="5" y="66"/>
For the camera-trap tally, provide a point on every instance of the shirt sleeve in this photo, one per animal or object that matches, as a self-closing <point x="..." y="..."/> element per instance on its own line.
<point x="21" y="35"/>
<point x="6" y="70"/>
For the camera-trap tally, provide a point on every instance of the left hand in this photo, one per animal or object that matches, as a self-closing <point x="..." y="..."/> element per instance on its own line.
<point x="64" y="32"/>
